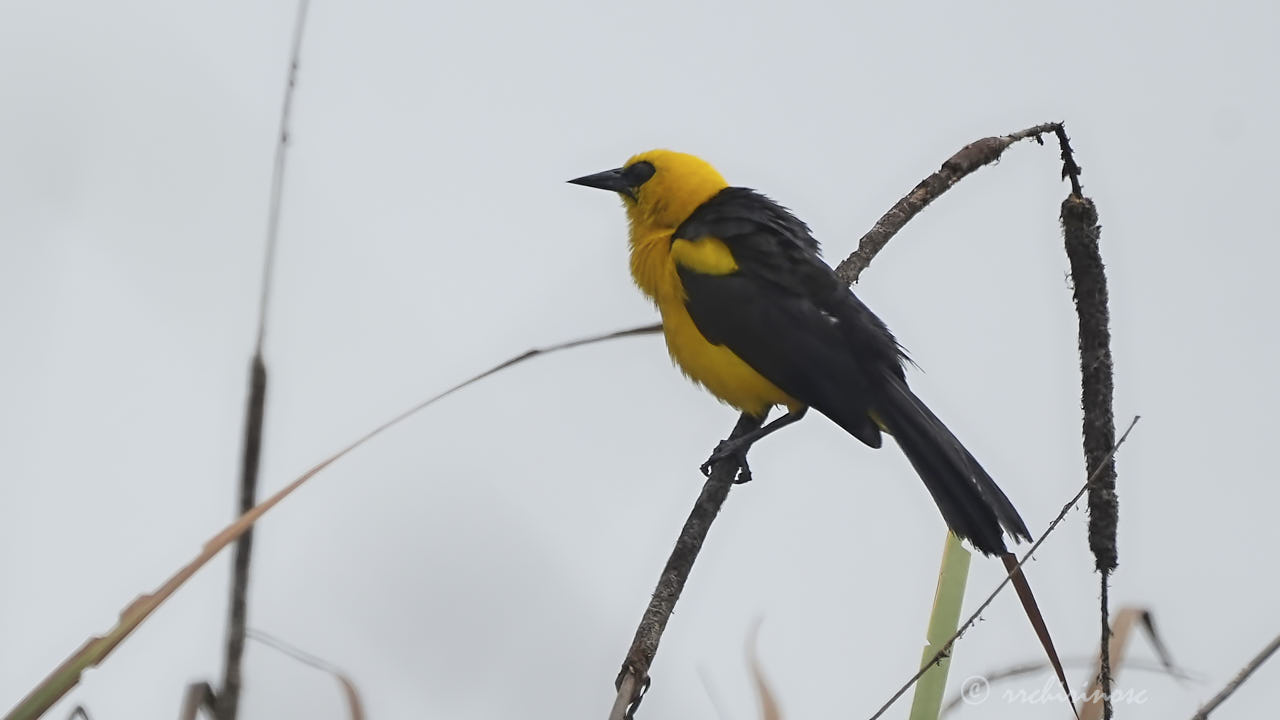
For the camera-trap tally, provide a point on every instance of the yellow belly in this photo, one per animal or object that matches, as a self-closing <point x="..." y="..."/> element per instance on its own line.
<point x="716" y="367"/>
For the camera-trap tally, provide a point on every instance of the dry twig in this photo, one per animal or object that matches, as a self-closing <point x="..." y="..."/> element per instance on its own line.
<point x="354" y="706"/>
<point x="1238" y="680"/>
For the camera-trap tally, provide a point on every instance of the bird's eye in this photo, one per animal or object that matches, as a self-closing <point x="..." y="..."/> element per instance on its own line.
<point x="638" y="173"/>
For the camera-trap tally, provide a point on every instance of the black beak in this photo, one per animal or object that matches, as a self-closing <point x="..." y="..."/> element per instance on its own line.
<point x="607" y="180"/>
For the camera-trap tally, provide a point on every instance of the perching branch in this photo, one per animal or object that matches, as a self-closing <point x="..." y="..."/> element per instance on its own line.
<point x="970" y="157"/>
<point x="1238" y="680"/>
<point x="633" y="680"/>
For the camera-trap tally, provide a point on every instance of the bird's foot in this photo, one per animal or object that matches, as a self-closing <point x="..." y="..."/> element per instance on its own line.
<point x="730" y="449"/>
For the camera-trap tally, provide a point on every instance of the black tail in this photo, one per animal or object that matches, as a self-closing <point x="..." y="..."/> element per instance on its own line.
<point x="971" y="503"/>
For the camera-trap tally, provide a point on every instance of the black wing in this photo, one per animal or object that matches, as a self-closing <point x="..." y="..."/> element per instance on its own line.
<point x="788" y="316"/>
<point x="785" y="313"/>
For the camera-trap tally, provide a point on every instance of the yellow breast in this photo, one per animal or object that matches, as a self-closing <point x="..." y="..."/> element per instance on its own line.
<point x="715" y="367"/>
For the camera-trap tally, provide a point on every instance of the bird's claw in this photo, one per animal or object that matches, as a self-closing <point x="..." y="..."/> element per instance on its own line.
<point x="725" y="450"/>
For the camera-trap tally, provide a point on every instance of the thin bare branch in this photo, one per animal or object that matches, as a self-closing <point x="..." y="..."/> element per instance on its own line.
<point x="354" y="706"/>
<point x="1238" y="680"/>
<point x="973" y="619"/>
<point x="277" y="172"/>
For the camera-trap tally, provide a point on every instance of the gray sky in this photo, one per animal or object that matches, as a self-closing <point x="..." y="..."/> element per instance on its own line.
<point x="492" y="557"/>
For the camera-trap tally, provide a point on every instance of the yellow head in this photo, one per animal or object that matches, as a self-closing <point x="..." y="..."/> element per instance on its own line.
<point x="659" y="188"/>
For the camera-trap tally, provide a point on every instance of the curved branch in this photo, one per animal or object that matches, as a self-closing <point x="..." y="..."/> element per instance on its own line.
<point x="969" y="158"/>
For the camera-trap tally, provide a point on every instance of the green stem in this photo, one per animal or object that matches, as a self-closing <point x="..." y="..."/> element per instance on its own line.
<point x="943" y="621"/>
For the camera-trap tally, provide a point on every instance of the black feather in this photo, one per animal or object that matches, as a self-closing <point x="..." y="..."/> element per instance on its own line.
<point x="788" y="316"/>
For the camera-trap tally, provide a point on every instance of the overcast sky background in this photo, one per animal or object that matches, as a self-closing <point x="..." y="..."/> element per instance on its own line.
<point x="491" y="557"/>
